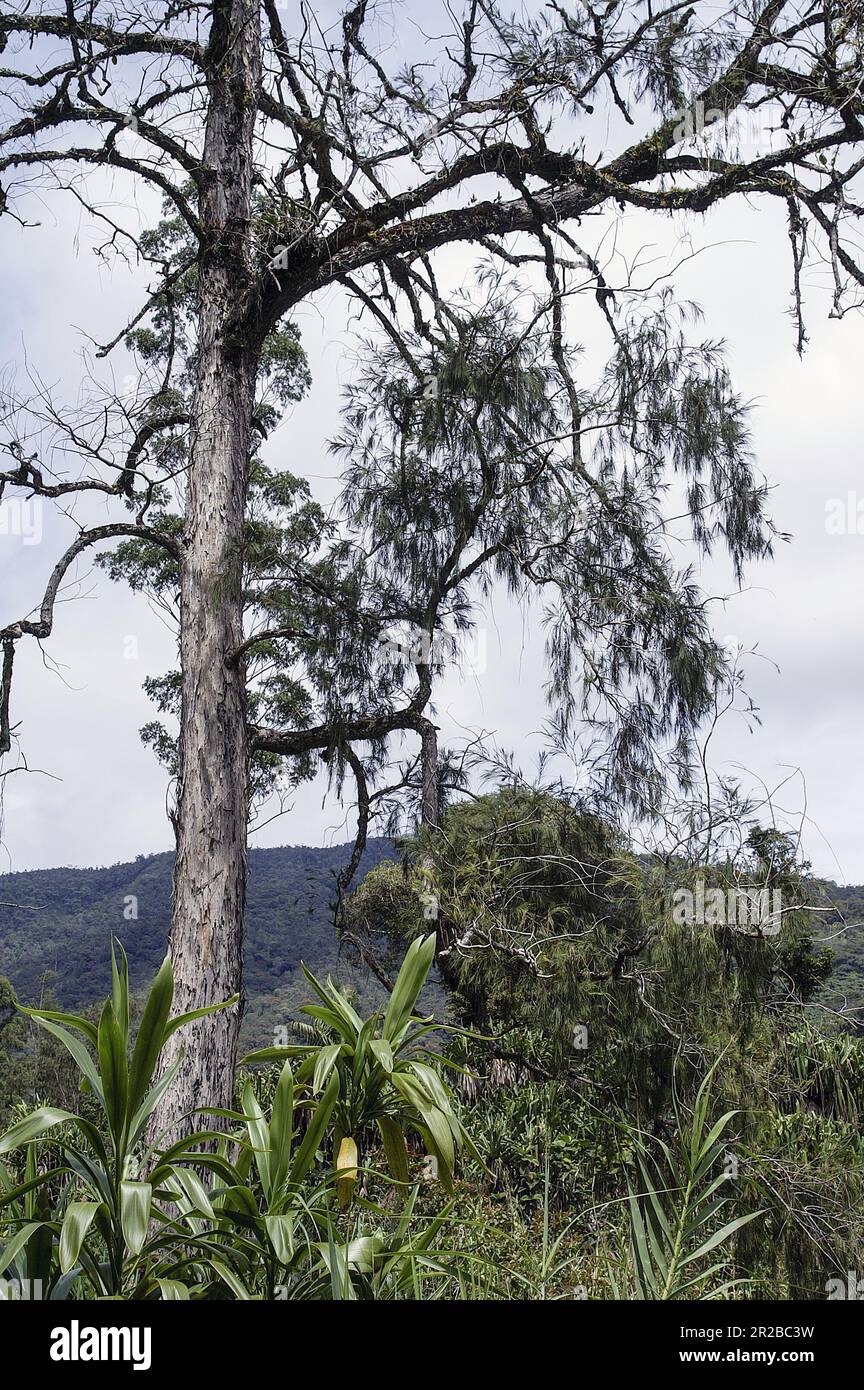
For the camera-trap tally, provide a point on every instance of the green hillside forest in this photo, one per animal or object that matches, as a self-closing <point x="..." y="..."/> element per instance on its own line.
<point x="601" y="1047"/>
<point x="56" y="926"/>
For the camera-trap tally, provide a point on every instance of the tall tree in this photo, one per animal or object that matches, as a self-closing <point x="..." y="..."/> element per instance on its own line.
<point x="335" y="152"/>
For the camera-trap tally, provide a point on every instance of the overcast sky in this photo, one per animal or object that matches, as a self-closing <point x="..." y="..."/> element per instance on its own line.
<point x="96" y="795"/>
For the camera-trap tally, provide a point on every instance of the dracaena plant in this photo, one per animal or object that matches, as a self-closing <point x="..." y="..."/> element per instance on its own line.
<point x="254" y="1230"/>
<point x="30" y="1255"/>
<point x="267" y="1225"/>
<point x="105" y="1226"/>
<point x="269" y="1228"/>
<point x="383" y="1076"/>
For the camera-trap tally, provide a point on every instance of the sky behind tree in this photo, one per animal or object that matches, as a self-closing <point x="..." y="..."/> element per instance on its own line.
<point x="96" y="795"/>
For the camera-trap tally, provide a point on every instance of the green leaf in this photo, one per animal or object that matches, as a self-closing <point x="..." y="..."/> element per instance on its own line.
<point x="172" y="1289"/>
<point x="359" y="1254"/>
<point x="152" y="1099"/>
<point x="240" y="1199"/>
<point x="120" y="989"/>
<point x="234" y="1282"/>
<point x="76" y="1223"/>
<point x="114" y="1068"/>
<point x="151" y="1032"/>
<point x="31" y="1127"/>
<point x="280" y="1233"/>
<point x="646" y="1284"/>
<point x="135" y="1202"/>
<point x="394" y="1147"/>
<point x="315" y="1131"/>
<point x="409" y="982"/>
<point x="433" y="1119"/>
<point x="721" y="1235"/>
<point x="337" y="1262"/>
<point x="324" y="1064"/>
<point x="182" y="1019"/>
<point x="83" y="1025"/>
<point x="259" y="1136"/>
<point x="717" y="1131"/>
<point x="349" y="1021"/>
<point x="17" y="1243"/>
<point x="29" y="1189"/>
<point x="75" y="1047"/>
<point x="196" y="1194"/>
<point x="282" y="1129"/>
<point x="383" y="1054"/>
<point x="432" y="1084"/>
<point x="277" y="1054"/>
<point x="332" y="1021"/>
<point x="362" y="1047"/>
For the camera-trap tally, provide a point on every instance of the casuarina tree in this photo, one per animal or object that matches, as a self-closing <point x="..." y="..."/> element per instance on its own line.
<point x="300" y="148"/>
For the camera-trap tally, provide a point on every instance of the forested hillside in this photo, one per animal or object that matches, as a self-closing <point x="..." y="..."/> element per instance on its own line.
<point x="561" y="1078"/>
<point x="55" y="925"/>
<point x="842" y="927"/>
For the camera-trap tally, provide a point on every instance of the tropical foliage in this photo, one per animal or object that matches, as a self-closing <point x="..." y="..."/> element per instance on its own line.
<point x="610" y="1107"/>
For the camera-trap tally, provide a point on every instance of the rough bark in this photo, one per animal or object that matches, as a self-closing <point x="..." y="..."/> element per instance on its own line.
<point x="206" y="941"/>
<point x="429" y="773"/>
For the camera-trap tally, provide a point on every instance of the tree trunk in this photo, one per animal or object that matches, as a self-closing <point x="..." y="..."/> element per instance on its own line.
<point x="429" y="775"/>
<point x="210" y="872"/>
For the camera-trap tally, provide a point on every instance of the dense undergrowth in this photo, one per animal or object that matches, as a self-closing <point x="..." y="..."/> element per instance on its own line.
<point x="616" y="1106"/>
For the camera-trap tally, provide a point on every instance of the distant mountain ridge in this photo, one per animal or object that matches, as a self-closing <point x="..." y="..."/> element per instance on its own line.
<point x="63" y="920"/>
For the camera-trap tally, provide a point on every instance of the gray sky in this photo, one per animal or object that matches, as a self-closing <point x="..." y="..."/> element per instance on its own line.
<point x="99" y="796"/>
